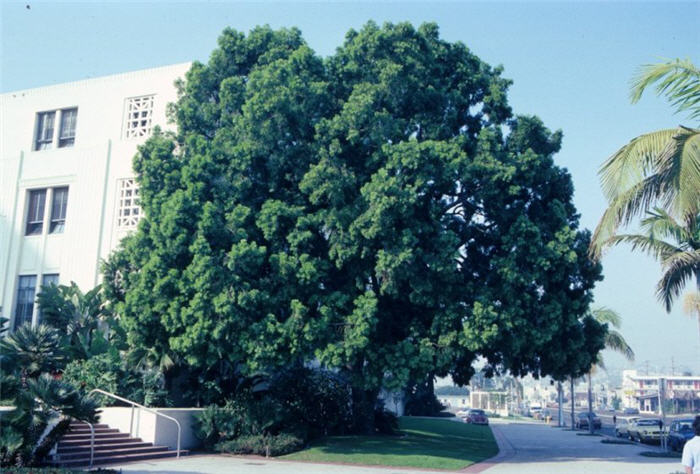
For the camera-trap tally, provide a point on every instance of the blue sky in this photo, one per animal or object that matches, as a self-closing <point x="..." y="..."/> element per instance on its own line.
<point x="571" y="64"/>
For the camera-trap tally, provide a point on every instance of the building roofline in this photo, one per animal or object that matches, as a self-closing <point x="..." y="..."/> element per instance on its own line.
<point x="82" y="82"/>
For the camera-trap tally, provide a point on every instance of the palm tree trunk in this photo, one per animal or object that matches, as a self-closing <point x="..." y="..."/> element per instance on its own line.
<point x="590" y="404"/>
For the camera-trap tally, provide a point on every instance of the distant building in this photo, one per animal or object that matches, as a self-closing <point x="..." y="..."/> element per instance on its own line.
<point x="67" y="188"/>
<point x="681" y="393"/>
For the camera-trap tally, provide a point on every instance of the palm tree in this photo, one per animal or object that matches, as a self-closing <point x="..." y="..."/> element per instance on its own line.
<point x="614" y="341"/>
<point x="658" y="170"/>
<point x="675" y="244"/>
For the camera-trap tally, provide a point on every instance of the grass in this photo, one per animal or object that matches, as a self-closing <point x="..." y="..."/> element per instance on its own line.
<point x="425" y="443"/>
<point x="661" y="454"/>
<point x="616" y="441"/>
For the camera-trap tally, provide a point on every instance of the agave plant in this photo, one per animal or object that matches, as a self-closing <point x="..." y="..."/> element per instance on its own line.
<point x="25" y="437"/>
<point x="32" y="351"/>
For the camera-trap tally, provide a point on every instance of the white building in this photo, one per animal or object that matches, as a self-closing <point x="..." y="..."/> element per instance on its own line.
<point x="67" y="193"/>
<point x="680" y="392"/>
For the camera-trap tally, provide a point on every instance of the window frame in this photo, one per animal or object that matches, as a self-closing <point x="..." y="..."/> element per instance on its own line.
<point x="41" y="139"/>
<point x="37" y="224"/>
<point x="57" y="224"/>
<point x="67" y="141"/>
<point x="25" y="316"/>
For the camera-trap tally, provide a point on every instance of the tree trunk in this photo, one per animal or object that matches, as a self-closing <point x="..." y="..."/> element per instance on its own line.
<point x="573" y="399"/>
<point x="590" y="404"/>
<point x="363" y="404"/>
<point x="560" y="400"/>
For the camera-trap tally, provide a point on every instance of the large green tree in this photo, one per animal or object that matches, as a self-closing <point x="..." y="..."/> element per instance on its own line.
<point x="380" y="211"/>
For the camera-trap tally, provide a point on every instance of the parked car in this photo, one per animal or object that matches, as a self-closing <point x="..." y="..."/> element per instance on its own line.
<point x="622" y="426"/>
<point x="680" y="432"/>
<point x="645" y="430"/>
<point x="477" y="417"/>
<point x="630" y="411"/>
<point x="582" y="421"/>
<point x="462" y="413"/>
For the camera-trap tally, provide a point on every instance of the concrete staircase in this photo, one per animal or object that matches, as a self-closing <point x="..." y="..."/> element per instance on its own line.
<point x="111" y="447"/>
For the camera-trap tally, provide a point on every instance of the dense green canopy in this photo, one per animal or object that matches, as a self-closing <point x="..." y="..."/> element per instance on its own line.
<point x="380" y="211"/>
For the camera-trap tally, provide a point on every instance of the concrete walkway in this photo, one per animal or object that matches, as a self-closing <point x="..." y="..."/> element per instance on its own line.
<point x="535" y="448"/>
<point x="525" y="448"/>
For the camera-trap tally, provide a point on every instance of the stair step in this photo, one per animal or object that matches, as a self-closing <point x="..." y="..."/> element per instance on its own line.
<point x="101" y="447"/>
<point x="115" y="434"/>
<point x="74" y="425"/>
<point x="120" y="458"/>
<point x="102" y="441"/>
<point x="114" y="452"/>
<point x="87" y="431"/>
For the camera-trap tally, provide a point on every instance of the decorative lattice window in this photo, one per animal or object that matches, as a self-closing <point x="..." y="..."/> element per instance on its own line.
<point x="138" y="116"/>
<point x="128" y="209"/>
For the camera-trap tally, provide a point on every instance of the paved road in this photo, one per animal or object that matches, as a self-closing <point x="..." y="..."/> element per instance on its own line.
<point x="526" y="448"/>
<point x="535" y="448"/>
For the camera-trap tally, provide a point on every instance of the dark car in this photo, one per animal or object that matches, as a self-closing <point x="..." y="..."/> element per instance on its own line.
<point x="680" y="432"/>
<point x="630" y="411"/>
<point x="477" y="417"/>
<point x="582" y="421"/>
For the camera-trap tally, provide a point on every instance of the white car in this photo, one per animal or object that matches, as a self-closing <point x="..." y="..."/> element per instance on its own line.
<point x="462" y="413"/>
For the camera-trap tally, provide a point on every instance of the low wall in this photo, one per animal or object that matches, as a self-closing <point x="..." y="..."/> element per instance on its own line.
<point x="152" y="428"/>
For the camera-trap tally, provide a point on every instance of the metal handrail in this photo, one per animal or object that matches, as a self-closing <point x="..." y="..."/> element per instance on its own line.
<point x="134" y="404"/>
<point x="92" y="440"/>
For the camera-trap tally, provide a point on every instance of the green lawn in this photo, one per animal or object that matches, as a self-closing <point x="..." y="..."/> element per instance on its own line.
<point x="426" y="443"/>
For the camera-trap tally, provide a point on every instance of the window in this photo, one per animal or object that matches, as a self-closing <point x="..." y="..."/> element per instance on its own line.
<point x="44" y="137"/>
<point x="25" y="300"/>
<point x="129" y="211"/>
<point x="35" y="212"/>
<point x="66" y="135"/>
<point x="137" y="116"/>
<point x="47" y="279"/>
<point x="44" y="130"/>
<point x="58" y="210"/>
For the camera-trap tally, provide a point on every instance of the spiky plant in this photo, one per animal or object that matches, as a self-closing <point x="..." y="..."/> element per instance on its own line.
<point x="32" y="350"/>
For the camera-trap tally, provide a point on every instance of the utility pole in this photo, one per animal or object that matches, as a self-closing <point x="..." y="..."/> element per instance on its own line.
<point x="646" y="363"/>
<point x="662" y="412"/>
<point x="673" y="367"/>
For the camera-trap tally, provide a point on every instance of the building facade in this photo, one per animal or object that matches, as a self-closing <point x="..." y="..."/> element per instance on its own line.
<point x="681" y="393"/>
<point x="67" y="188"/>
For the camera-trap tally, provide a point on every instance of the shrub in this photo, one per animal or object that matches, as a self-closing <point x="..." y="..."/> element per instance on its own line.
<point x="108" y="372"/>
<point x="264" y="445"/>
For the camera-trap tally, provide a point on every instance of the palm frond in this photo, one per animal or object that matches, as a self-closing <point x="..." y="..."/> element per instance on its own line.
<point x="615" y="342"/>
<point x="621" y="210"/>
<point x="605" y="315"/>
<point x="660" y="224"/>
<point x="678" y="167"/>
<point x="679" y="268"/>
<point x="678" y="80"/>
<point x="633" y="162"/>
<point x="656" y="248"/>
